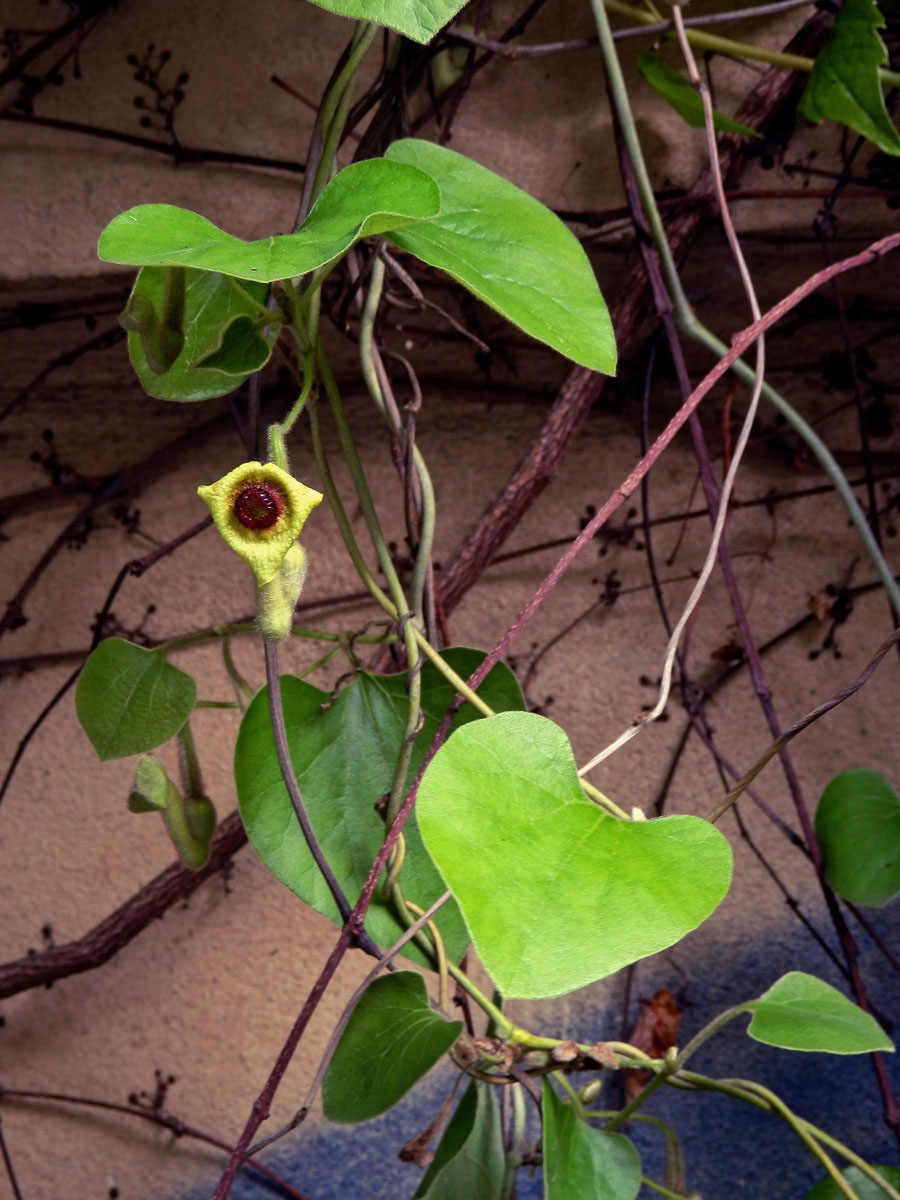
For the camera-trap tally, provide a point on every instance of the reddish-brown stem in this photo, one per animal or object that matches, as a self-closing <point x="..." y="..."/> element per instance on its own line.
<point x="263" y="1102"/>
<point x="740" y="343"/>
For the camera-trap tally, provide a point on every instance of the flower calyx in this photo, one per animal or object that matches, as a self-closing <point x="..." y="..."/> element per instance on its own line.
<point x="259" y="510"/>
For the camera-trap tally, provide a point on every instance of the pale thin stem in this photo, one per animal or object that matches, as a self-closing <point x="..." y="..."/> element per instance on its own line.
<point x="688" y="322"/>
<point x="728" y="485"/>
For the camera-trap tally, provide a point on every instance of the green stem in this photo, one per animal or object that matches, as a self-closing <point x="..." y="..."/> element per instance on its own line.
<point x="518" y="1127"/>
<point x="638" y="1102"/>
<point x="377" y="593"/>
<point x="736" y="49"/>
<point x="300" y="403"/>
<point x="662" y="1189"/>
<point x="428" y="939"/>
<point x="405" y="618"/>
<point x="674" y="1153"/>
<point x="568" y="1088"/>
<point x="226" y="631"/>
<point x="752" y="1093"/>
<point x="688" y="323"/>
<point x="598" y="797"/>
<point x="778" y="1107"/>
<point x="370" y="361"/>
<point x="503" y="1025"/>
<point x="242" y="688"/>
<point x="361" y="487"/>
<point x="707" y="1032"/>
<point x="337" y="104"/>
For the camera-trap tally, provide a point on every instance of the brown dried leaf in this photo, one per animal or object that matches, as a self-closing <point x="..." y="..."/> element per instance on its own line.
<point x="602" y="1054"/>
<point x="655" y="1032"/>
<point x="416" y="1149"/>
<point x="820" y="606"/>
<point x="564" y="1052"/>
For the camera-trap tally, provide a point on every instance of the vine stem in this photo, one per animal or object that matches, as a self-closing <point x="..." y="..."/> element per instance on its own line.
<point x="378" y="593"/>
<point x="760" y="1097"/>
<point x="695" y="328"/>
<point x="721" y="515"/>
<point x="728" y="358"/>
<point x="276" y="713"/>
<point x="260" y="1109"/>
<point x="261" y="1105"/>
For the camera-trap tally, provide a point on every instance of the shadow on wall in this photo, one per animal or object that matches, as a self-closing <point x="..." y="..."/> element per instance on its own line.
<point x="731" y="1149"/>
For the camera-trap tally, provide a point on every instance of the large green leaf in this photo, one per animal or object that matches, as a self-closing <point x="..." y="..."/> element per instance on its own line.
<point x="344" y="757"/>
<point x="365" y="198"/>
<point x="469" y="1162"/>
<point x="800" y="1012"/>
<point x="416" y="19"/>
<point x="511" y="252"/>
<point x="858" y="831"/>
<point x="685" y="99"/>
<point x="555" y="893"/>
<point x="844" y="85"/>
<point x="222" y="339"/>
<point x="581" y="1163"/>
<point x="392" y="1039"/>
<point x="865" y="1189"/>
<point x="129" y="699"/>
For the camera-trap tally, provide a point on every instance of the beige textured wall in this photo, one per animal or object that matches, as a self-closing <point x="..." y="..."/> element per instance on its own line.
<point x="541" y="122"/>
<point x="209" y="993"/>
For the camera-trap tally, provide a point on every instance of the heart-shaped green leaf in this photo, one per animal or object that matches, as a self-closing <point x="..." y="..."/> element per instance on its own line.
<point x="555" y="893"/>
<point x="865" y="1189"/>
<point x="416" y="19"/>
<point x="344" y="757"/>
<point x="212" y="305"/>
<point x="800" y="1012"/>
<point x="365" y="198"/>
<point x="392" y="1039"/>
<point x="676" y="89"/>
<point x="129" y="699"/>
<point x="469" y="1162"/>
<point x="844" y="84"/>
<point x="581" y="1163"/>
<point x="858" y="831"/>
<point x="510" y="251"/>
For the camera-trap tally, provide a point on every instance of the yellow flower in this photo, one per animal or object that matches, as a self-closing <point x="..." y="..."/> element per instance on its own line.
<point x="259" y="511"/>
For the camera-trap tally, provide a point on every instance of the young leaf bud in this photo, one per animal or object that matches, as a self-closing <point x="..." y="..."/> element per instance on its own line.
<point x="150" y="792"/>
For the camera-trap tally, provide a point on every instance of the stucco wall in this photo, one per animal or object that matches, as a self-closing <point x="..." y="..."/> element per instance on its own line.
<point x="208" y="994"/>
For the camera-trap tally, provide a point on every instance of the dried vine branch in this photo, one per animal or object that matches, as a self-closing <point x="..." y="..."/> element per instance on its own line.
<point x="98" y="946"/>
